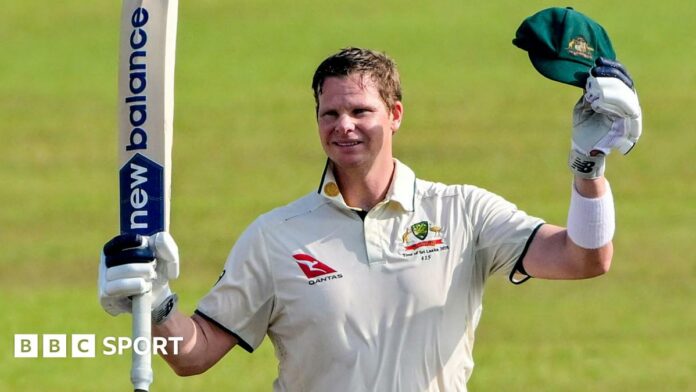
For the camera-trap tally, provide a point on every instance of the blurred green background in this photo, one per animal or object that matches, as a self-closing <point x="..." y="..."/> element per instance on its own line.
<point x="245" y="142"/>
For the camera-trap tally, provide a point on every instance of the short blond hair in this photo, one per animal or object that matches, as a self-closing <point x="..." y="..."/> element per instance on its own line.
<point x="349" y="61"/>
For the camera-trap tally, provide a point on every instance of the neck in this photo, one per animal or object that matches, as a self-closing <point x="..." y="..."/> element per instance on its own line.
<point x="365" y="188"/>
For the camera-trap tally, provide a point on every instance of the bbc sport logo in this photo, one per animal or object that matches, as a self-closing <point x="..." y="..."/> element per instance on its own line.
<point x="86" y="345"/>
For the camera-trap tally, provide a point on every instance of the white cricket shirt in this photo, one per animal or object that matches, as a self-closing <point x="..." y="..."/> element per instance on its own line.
<point x="388" y="303"/>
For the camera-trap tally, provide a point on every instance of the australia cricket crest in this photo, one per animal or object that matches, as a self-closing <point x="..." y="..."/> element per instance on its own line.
<point x="422" y="238"/>
<point x="578" y="46"/>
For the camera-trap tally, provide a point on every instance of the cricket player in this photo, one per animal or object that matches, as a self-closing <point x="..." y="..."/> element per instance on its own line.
<point x="374" y="281"/>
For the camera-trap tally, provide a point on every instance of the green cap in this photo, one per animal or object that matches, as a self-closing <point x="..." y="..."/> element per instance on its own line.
<point x="563" y="44"/>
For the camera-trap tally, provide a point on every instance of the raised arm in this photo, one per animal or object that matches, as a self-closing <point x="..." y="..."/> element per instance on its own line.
<point x="554" y="255"/>
<point x="607" y="117"/>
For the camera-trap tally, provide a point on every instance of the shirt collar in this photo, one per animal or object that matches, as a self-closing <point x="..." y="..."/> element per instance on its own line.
<point x="402" y="189"/>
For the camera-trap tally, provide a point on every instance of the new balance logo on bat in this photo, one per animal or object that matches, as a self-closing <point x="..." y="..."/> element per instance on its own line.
<point x="142" y="195"/>
<point x="137" y="102"/>
<point x="315" y="270"/>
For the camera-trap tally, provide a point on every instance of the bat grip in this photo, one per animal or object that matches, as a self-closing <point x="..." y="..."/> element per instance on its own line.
<point x="141" y="366"/>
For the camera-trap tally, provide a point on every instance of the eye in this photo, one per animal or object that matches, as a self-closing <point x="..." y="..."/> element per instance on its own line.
<point x="361" y="111"/>
<point x="329" y="114"/>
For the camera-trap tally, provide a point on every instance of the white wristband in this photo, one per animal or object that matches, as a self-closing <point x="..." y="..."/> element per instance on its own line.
<point x="591" y="221"/>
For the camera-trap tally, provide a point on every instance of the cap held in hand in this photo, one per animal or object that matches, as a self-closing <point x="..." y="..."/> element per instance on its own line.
<point x="563" y="44"/>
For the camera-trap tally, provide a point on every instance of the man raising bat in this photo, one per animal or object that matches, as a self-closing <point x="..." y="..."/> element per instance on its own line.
<point x="374" y="281"/>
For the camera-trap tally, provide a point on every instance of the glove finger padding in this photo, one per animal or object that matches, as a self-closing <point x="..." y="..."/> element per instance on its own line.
<point x="130" y="279"/>
<point x="134" y="264"/>
<point x="146" y="272"/>
<point x="114" y="305"/>
<point x="167" y="254"/>
<point x="609" y="68"/>
<point x="128" y="287"/>
<point x="612" y="97"/>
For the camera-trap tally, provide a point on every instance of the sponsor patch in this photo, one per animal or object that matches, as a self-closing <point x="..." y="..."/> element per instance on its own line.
<point x="422" y="238"/>
<point x="315" y="270"/>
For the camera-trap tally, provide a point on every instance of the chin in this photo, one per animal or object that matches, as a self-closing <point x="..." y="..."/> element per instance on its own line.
<point x="347" y="161"/>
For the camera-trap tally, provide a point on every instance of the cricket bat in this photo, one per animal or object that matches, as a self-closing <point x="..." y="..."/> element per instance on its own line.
<point x="145" y="116"/>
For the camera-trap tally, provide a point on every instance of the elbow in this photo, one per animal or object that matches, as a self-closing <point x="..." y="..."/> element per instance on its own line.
<point x="598" y="261"/>
<point x="590" y="263"/>
<point x="184" y="371"/>
<point x="187" y="370"/>
<point x="602" y="267"/>
<point x="606" y="264"/>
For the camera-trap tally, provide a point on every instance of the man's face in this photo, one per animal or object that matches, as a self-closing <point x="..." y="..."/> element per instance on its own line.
<point x="355" y="125"/>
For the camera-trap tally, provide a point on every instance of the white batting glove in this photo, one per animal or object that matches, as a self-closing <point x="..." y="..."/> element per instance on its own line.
<point x="135" y="264"/>
<point x="607" y="117"/>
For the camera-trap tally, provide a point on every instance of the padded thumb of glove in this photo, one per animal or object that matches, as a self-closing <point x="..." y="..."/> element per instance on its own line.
<point x="166" y="252"/>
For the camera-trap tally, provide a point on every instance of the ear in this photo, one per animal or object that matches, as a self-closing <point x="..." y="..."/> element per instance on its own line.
<point x="397" y="114"/>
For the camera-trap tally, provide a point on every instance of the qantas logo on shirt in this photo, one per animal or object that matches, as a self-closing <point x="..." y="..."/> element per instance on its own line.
<point x="314" y="269"/>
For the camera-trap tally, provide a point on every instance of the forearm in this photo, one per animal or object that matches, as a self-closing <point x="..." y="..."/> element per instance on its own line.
<point x="201" y="345"/>
<point x="584" y="249"/>
<point x="180" y="326"/>
<point x="591" y="188"/>
<point x="591" y="225"/>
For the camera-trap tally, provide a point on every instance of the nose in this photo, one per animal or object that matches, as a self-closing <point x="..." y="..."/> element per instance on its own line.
<point x="344" y="124"/>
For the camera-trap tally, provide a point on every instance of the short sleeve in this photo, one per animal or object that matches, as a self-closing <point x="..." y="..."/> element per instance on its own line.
<point x="242" y="300"/>
<point x="502" y="232"/>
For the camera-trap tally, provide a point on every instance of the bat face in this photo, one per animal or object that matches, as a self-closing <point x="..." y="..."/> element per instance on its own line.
<point x="146" y="105"/>
<point x="141" y="179"/>
<point x="146" y="112"/>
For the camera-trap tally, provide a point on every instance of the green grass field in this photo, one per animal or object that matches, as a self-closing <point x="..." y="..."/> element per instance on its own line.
<point x="245" y="142"/>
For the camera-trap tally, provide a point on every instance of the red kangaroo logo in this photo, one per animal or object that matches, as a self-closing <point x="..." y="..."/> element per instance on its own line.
<point x="311" y="266"/>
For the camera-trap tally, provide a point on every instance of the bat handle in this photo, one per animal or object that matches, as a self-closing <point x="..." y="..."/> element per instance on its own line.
<point x="141" y="366"/>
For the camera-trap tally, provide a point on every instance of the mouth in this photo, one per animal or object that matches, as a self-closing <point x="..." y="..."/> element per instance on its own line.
<point x="350" y="143"/>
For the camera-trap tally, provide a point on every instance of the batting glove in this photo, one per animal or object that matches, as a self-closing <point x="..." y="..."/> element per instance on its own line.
<point x="607" y="117"/>
<point x="133" y="264"/>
